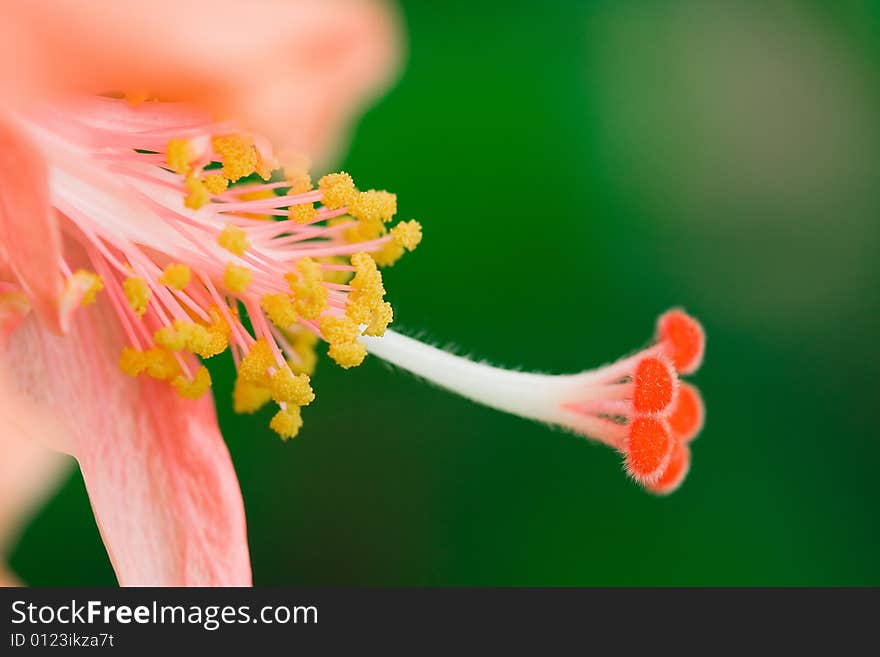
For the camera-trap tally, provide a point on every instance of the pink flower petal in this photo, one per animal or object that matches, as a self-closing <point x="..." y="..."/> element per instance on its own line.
<point x="294" y="70"/>
<point x="30" y="242"/>
<point x="158" y="473"/>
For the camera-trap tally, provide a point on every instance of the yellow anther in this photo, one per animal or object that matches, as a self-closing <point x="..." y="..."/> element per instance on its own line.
<point x="161" y="364"/>
<point x="237" y="278"/>
<point x="382" y="316"/>
<point x="249" y="398"/>
<point x="175" y="275"/>
<point x="87" y="284"/>
<point x="309" y="293"/>
<point x="170" y="338"/>
<point x="367" y="290"/>
<point x="390" y="253"/>
<point x="364" y="231"/>
<point x="238" y="154"/>
<point x="215" y="183"/>
<point x="303" y="213"/>
<point x="404" y="236"/>
<point x="309" y="269"/>
<point x="408" y="234"/>
<point x="198" y="194"/>
<point x="234" y="239"/>
<point x="217" y="336"/>
<point x="339" y="190"/>
<point x="179" y="153"/>
<point x="337" y="330"/>
<point x="132" y="361"/>
<point x="193" y="388"/>
<point x="347" y="354"/>
<point x="187" y="335"/>
<point x="279" y="309"/>
<point x="290" y="388"/>
<point x="374" y="206"/>
<point x="137" y="293"/>
<point x="287" y="423"/>
<point x="254" y="367"/>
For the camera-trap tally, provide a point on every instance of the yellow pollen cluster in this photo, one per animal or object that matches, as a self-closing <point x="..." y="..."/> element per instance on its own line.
<point x="193" y="388"/>
<point x="237" y="278"/>
<point x="366" y="304"/>
<point x="287" y="422"/>
<point x="234" y="239"/>
<point x="249" y="398"/>
<point x="197" y="194"/>
<point x="175" y="275"/>
<point x="341" y="333"/>
<point x="383" y="315"/>
<point x="363" y="231"/>
<point x="279" y="309"/>
<point x="405" y="236"/>
<point x="137" y="293"/>
<point x="260" y="378"/>
<point x="254" y="367"/>
<point x="309" y="293"/>
<point x="179" y="154"/>
<point x="156" y="362"/>
<point x="339" y="190"/>
<point x="304" y="213"/>
<point x="374" y="206"/>
<point x="203" y="340"/>
<point x="160" y="364"/>
<point x="290" y="388"/>
<point x="238" y="154"/>
<point x="87" y="283"/>
<point x="215" y="183"/>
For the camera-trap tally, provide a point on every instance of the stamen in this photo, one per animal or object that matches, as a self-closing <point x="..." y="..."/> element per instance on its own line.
<point x="137" y="293"/>
<point x="234" y="240"/>
<point x="339" y="190"/>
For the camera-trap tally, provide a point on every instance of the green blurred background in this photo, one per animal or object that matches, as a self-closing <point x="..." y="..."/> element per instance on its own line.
<point x="579" y="167"/>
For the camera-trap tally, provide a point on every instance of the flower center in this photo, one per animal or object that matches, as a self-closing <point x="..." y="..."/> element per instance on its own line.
<point x="204" y="240"/>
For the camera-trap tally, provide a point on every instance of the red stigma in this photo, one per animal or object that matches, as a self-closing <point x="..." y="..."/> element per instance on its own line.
<point x="648" y="449"/>
<point x="655" y="385"/>
<point x="683" y="340"/>
<point x="676" y="471"/>
<point x="686" y="417"/>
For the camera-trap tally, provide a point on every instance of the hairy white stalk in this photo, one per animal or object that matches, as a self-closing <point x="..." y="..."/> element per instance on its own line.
<point x="534" y="396"/>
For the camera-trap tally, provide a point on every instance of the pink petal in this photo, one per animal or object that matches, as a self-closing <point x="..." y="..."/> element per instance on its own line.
<point x="30" y="242"/>
<point x="292" y="69"/>
<point x="158" y="473"/>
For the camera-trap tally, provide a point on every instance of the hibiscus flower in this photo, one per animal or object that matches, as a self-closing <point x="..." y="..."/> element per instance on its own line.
<point x="156" y="210"/>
